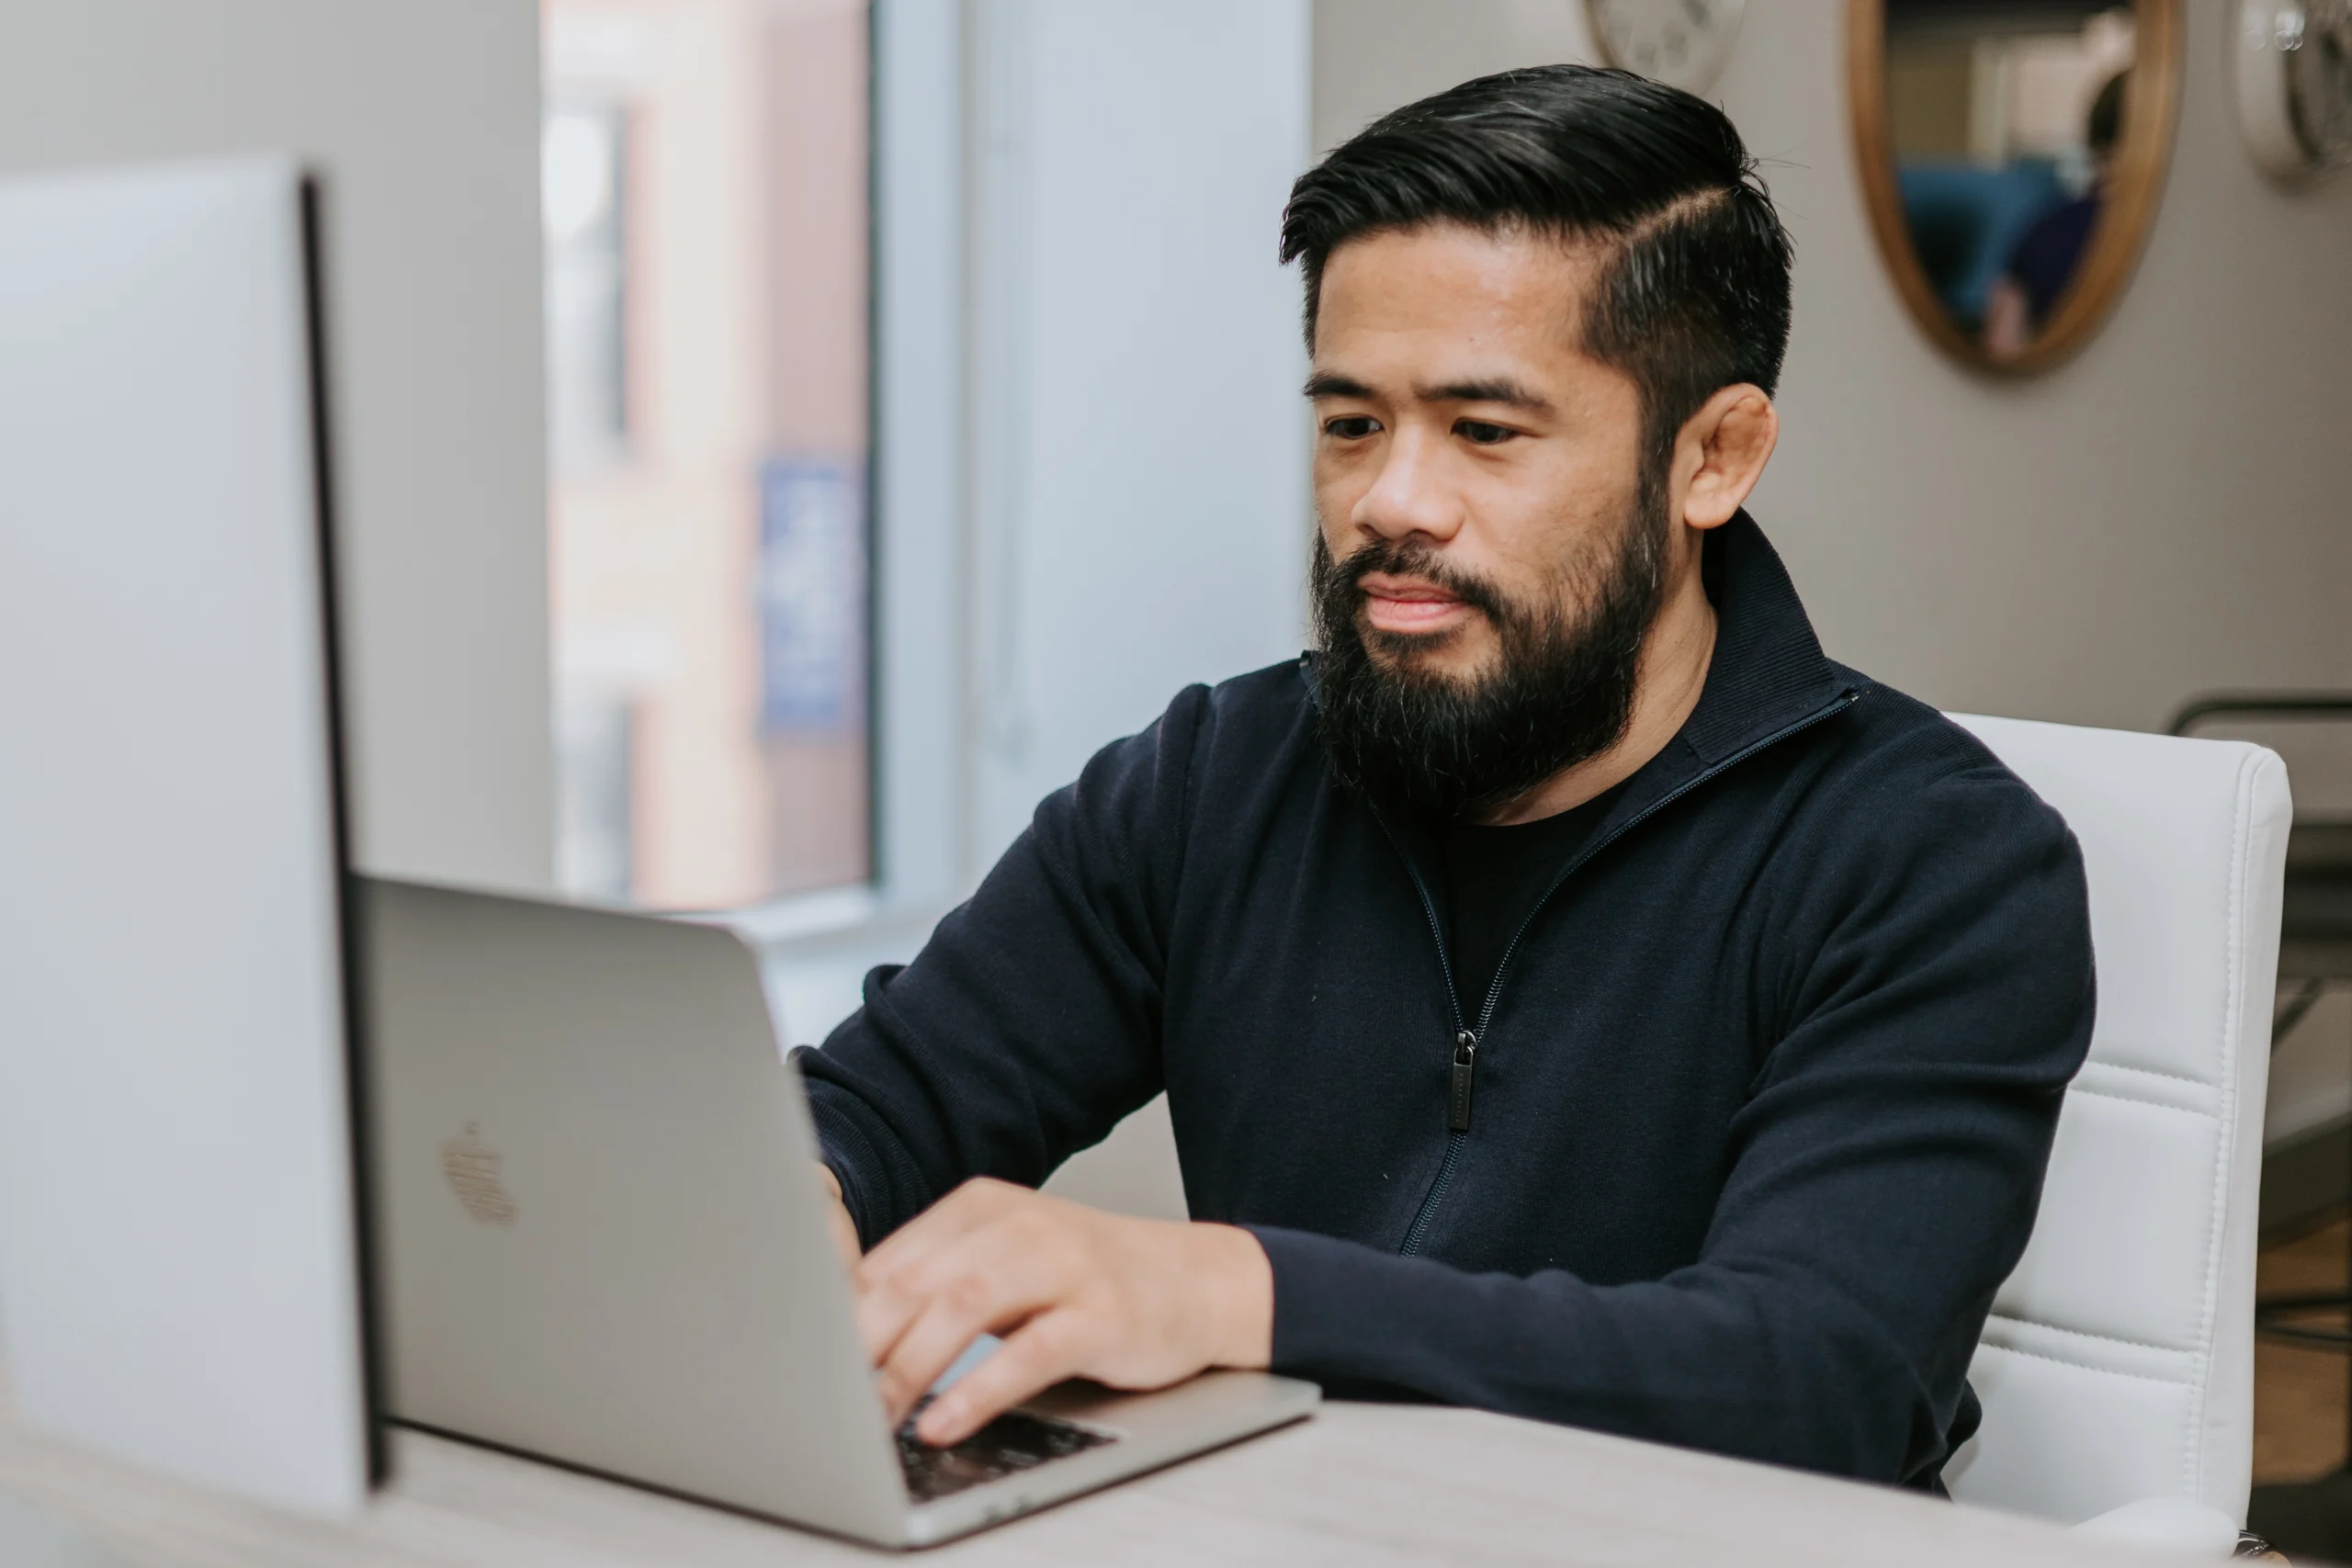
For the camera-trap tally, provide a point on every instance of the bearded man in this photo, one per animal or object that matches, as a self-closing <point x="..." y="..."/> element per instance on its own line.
<point x="1574" y="994"/>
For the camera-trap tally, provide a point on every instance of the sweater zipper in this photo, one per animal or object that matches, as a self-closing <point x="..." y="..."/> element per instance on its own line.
<point x="1464" y="1061"/>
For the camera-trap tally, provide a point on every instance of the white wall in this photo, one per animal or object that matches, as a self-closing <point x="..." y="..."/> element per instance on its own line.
<point x="1372" y="56"/>
<point x="423" y="118"/>
<point x="1139" y="516"/>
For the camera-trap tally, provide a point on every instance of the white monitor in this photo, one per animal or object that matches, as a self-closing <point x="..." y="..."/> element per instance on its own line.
<point x="180" y="1248"/>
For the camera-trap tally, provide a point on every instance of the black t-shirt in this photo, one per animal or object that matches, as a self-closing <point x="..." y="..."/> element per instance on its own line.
<point x="1494" y="876"/>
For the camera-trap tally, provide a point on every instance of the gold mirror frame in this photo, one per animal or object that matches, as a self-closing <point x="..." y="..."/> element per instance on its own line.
<point x="2142" y="155"/>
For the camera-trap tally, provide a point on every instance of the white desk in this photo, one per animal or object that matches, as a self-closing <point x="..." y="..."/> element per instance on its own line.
<point x="1359" y="1485"/>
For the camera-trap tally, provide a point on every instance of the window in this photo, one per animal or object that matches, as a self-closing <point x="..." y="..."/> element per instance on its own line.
<point x="705" y="194"/>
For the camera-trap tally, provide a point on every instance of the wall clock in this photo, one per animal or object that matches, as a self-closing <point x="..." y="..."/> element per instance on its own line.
<point x="2293" y="67"/>
<point x="1683" y="43"/>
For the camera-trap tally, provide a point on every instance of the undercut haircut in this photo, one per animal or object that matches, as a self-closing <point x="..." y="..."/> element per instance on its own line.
<point x="1692" y="293"/>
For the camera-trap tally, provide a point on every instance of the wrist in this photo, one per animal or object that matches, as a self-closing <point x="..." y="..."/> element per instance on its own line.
<point x="1241" y="1304"/>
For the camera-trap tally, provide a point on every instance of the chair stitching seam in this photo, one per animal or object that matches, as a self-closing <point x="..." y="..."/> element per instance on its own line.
<point x="2102" y="1372"/>
<point x="2088" y="1334"/>
<point x="2148" y="1072"/>
<point x="2137" y="1099"/>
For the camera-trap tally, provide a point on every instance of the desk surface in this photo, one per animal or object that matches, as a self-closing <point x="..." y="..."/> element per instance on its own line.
<point x="1358" y="1484"/>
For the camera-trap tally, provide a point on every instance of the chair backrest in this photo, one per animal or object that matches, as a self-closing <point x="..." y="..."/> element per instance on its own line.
<point x="2119" y="1361"/>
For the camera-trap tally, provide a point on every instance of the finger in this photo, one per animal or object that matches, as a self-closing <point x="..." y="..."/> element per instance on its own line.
<point x="995" y="1281"/>
<point x="885" y="1312"/>
<point x="897" y="1279"/>
<point x="939" y="1336"/>
<point x="1052" y="1346"/>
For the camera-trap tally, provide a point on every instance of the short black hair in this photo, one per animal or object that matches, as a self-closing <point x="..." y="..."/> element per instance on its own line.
<point x="1693" y="294"/>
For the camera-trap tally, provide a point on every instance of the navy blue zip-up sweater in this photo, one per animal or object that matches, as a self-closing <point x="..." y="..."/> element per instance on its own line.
<point x="1761" y="1099"/>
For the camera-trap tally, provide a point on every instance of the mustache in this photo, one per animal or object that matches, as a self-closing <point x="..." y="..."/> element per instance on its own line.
<point x="1399" y="558"/>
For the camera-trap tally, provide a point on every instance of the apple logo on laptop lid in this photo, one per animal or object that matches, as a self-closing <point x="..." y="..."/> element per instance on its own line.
<point x="471" y="1166"/>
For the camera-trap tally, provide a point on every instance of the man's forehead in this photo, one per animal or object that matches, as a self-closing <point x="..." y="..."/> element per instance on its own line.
<point x="1458" y="305"/>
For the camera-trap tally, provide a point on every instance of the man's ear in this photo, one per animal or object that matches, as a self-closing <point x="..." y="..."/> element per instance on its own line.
<point x="1721" y="453"/>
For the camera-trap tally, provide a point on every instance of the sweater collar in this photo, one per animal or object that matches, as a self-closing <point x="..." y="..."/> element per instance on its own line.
<point x="1768" y="670"/>
<point x="1767" y="678"/>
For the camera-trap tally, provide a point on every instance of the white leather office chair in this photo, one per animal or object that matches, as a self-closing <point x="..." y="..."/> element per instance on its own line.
<point x="2117" y="1372"/>
<point x="2118" y="1368"/>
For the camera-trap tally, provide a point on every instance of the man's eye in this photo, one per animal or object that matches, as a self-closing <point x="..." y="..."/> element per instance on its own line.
<point x="1351" y="428"/>
<point x="1478" y="432"/>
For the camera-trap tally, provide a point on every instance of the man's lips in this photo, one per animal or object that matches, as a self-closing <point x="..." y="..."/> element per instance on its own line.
<point x="1408" y="603"/>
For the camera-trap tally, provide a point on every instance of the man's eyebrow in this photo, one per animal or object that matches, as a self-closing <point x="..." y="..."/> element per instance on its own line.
<point x="1492" y="390"/>
<point x="1489" y="389"/>
<point x="1331" y="384"/>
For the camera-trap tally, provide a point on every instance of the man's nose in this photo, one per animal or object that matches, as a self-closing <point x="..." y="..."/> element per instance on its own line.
<point x="1410" y="495"/>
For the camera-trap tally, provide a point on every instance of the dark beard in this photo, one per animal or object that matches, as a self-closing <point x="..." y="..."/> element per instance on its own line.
<point x="1419" y="743"/>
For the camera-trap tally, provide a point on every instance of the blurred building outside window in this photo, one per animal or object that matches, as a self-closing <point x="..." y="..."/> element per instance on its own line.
<point x="705" y="188"/>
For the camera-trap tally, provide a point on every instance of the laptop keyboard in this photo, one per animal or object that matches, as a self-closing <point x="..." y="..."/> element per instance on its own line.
<point x="1013" y="1442"/>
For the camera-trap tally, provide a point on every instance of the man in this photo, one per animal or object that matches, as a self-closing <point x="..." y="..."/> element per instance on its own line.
<point x="1574" y="994"/>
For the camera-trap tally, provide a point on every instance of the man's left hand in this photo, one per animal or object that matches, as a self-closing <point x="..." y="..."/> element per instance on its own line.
<point x="1074" y="1292"/>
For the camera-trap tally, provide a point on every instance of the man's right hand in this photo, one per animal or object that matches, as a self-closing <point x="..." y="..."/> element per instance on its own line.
<point x="844" y="1229"/>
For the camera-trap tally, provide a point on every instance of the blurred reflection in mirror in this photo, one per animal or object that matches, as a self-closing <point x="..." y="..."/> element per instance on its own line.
<point x="2001" y="134"/>
<point x="2046" y="257"/>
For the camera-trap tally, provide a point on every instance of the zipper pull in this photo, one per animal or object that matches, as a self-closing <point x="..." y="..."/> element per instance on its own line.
<point x="1465" y="1064"/>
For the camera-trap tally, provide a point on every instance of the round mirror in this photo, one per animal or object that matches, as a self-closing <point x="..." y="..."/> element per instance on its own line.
<point x="2012" y="152"/>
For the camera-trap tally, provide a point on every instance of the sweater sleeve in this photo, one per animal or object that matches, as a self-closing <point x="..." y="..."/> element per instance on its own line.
<point x="1936" y="998"/>
<point x="1029" y="1024"/>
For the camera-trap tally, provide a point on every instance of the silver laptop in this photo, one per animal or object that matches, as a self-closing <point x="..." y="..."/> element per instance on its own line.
<point x="601" y="1241"/>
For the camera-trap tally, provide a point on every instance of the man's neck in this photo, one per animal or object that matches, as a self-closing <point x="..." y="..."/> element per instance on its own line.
<point x="1676" y="652"/>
